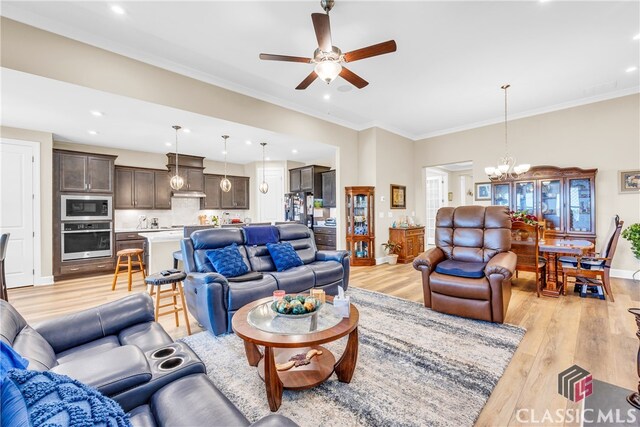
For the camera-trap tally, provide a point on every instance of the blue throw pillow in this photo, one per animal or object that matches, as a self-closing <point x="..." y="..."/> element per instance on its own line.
<point x="228" y="261"/>
<point x="284" y="256"/>
<point x="55" y="400"/>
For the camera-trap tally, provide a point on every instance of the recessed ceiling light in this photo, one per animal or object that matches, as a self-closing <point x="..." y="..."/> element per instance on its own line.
<point x="118" y="10"/>
<point x="344" y="88"/>
<point x="97" y="113"/>
<point x="168" y="144"/>
<point x="327" y="97"/>
<point x="185" y="130"/>
<point x="637" y="37"/>
<point x="248" y="142"/>
<point x="294" y="151"/>
<point x="631" y="69"/>
<point x="92" y="132"/>
<point x="224" y="152"/>
<point x="267" y="158"/>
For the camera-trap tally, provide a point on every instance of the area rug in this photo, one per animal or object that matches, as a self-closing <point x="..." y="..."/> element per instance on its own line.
<point x="415" y="367"/>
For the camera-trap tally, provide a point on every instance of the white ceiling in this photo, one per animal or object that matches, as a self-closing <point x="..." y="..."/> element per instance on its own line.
<point x="38" y="103"/>
<point x="452" y="56"/>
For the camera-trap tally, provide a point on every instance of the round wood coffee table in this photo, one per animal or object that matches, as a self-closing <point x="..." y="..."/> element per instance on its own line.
<point x="283" y="338"/>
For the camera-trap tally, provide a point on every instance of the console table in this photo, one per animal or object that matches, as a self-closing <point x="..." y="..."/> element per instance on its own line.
<point x="411" y="241"/>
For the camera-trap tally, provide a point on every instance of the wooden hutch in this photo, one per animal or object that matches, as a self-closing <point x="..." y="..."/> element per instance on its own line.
<point x="360" y="232"/>
<point x="564" y="197"/>
<point x="411" y="241"/>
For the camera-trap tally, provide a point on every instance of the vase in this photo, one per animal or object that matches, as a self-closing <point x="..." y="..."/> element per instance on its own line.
<point x="524" y="235"/>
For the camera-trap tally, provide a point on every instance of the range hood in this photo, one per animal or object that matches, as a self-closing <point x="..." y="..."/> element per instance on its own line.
<point x="188" y="194"/>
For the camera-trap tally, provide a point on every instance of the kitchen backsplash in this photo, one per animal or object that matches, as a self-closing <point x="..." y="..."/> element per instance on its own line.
<point x="184" y="211"/>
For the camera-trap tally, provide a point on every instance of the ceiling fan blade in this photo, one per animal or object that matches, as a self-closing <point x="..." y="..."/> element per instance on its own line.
<point x="270" y="57"/>
<point x="369" y="51"/>
<point x="307" y="81"/>
<point x="353" y="78"/>
<point x="323" y="31"/>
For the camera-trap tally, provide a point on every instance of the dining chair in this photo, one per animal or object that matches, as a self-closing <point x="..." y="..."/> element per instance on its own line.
<point x="4" y="242"/>
<point x="525" y="244"/>
<point x="593" y="270"/>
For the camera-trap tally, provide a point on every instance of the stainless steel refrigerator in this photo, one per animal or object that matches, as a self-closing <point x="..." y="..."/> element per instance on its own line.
<point x="298" y="207"/>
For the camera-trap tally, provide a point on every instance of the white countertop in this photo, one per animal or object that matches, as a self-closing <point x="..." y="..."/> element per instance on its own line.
<point x="173" y="235"/>
<point x="145" y="230"/>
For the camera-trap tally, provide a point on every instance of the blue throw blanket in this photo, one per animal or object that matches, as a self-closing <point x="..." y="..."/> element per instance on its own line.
<point x="261" y="235"/>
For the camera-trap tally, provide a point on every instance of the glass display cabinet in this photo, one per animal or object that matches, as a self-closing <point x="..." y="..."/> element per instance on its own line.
<point x="360" y="231"/>
<point x="563" y="197"/>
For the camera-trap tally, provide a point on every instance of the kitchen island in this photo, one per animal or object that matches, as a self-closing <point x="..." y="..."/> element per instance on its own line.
<point x="162" y="245"/>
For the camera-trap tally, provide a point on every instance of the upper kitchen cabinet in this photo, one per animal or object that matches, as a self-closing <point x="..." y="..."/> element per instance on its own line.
<point x="85" y="172"/>
<point x="194" y="179"/>
<point x="307" y="179"/>
<point x="212" y="190"/>
<point x="329" y="189"/>
<point x="190" y="169"/>
<point x="238" y="197"/>
<point x="135" y="188"/>
<point x="162" y="199"/>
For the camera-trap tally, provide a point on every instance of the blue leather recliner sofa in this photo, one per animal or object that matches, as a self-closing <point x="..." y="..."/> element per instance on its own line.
<point x="118" y="349"/>
<point x="212" y="299"/>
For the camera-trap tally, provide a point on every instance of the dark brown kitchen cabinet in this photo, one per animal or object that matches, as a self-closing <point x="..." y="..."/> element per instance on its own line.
<point x="84" y="172"/>
<point x="329" y="189"/>
<point x="134" y="188"/>
<point x="238" y="197"/>
<point x="325" y="238"/>
<point x="294" y="180"/>
<point x="212" y="190"/>
<point x="128" y="240"/>
<point x="162" y="199"/>
<point x="194" y="179"/>
<point x="307" y="179"/>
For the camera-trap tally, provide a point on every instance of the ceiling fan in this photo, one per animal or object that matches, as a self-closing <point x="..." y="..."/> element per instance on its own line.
<point x="328" y="59"/>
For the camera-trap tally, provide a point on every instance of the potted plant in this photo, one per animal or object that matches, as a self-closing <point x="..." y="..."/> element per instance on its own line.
<point x="392" y="249"/>
<point x="632" y="234"/>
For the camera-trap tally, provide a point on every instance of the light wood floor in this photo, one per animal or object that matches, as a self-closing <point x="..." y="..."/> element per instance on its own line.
<point x="597" y="335"/>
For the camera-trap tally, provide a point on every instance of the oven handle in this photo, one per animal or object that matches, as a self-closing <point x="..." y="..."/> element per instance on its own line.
<point x="86" y="231"/>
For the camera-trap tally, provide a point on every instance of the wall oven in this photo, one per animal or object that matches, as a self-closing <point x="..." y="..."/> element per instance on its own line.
<point x="82" y="240"/>
<point x="85" y="208"/>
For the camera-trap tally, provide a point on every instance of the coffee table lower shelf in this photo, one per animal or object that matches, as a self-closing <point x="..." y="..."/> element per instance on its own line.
<point x="306" y="376"/>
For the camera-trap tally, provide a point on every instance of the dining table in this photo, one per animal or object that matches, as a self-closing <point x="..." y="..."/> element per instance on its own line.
<point x="552" y="249"/>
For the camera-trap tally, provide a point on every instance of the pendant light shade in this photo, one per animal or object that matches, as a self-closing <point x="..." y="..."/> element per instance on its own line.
<point x="176" y="182"/>
<point x="225" y="184"/>
<point x="264" y="187"/>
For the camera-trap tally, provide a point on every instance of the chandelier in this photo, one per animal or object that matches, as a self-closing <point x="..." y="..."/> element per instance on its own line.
<point x="176" y="182"/>
<point x="507" y="167"/>
<point x="225" y="184"/>
<point x="264" y="187"/>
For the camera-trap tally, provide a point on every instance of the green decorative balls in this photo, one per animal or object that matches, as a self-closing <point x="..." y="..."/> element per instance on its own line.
<point x="298" y="304"/>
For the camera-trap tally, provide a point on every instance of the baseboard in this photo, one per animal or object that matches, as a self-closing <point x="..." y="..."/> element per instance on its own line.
<point x="43" y="281"/>
<point x="623" y="274"/>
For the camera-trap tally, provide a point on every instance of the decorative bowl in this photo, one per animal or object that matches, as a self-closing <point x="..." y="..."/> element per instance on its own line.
<point x="296" y="306"/>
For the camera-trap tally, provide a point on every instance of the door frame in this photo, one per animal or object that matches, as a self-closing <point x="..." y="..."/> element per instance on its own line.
<point x="37" y="232"/>
<point x="431" y="171"/>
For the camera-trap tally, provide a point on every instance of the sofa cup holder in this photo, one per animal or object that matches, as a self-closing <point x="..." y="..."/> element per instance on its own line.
<point x="171" y="363"/>
<point x="163" y="352"/>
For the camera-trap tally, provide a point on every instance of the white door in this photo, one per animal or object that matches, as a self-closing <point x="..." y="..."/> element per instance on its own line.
<point x="435" y="200"/>
<point x="271" y="205"/>
<point x="16" y="211"/>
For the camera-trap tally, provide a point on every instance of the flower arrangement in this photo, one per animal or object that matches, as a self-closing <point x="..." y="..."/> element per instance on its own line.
<point x="523" y="216"/>
<point x="632" y="234"/>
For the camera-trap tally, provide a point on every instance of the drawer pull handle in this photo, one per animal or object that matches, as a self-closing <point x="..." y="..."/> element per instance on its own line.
<point x="100" y="266"/>
<point x="74" y="269"/>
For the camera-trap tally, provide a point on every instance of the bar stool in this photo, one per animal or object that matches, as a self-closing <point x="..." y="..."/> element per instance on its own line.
<point x="175" y="280"/>
<point x="129" y="253"/>
<point x="177" y="256"/>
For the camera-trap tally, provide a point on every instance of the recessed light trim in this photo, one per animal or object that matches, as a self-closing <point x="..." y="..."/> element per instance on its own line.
<point x="97" y="113"/>
<point x="248" y="142"/>
<point x="294" y="151"/>
<point x="168" y="144"/>
<point x="224" y="152"/>
<point x="186" y="130"/>
<point x="267" y="158"/>
<point x="117" y="9"/>
<point x="92" y="132"/>
<point x="326" y="97"/>
<point x="631" y="69"/>
<point x="636" y="37"/>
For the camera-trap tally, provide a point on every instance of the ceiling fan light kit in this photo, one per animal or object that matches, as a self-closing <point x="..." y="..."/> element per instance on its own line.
<point x="329" y="59"/>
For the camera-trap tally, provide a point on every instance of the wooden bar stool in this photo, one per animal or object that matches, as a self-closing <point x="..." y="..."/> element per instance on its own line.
<point x="157" y="280"/>
<point x="129" y="253"/>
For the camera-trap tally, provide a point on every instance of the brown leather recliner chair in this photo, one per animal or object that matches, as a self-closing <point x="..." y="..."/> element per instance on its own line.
<point x="469" y="271"/>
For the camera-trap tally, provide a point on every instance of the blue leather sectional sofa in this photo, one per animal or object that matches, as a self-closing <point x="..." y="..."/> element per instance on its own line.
<point x="213" y="299"/>
<point x="118" y="349"/>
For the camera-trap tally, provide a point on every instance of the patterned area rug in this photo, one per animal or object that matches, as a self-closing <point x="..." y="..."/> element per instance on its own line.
<point x="415" y="367"/>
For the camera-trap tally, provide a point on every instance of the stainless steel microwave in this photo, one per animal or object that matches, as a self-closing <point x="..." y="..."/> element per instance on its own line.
<point x="86" y="208"/>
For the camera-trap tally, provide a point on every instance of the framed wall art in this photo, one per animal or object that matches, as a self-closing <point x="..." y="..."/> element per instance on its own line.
<point x="398" y="196"/>
<point x="483" y="191"/>
<point x="630" y="181"/>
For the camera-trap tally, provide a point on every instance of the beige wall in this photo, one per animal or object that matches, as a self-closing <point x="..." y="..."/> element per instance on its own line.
<point x="46" y="225"/>
<point x="454" y="188"/>
<point x="603" y="135"/>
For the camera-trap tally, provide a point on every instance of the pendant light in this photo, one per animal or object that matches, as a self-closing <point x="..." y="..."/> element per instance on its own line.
<point x="225" y="184"/>
<point x="176" y="182"/>
<point x="506" y="168"/>
<point x="264" y="187"/>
